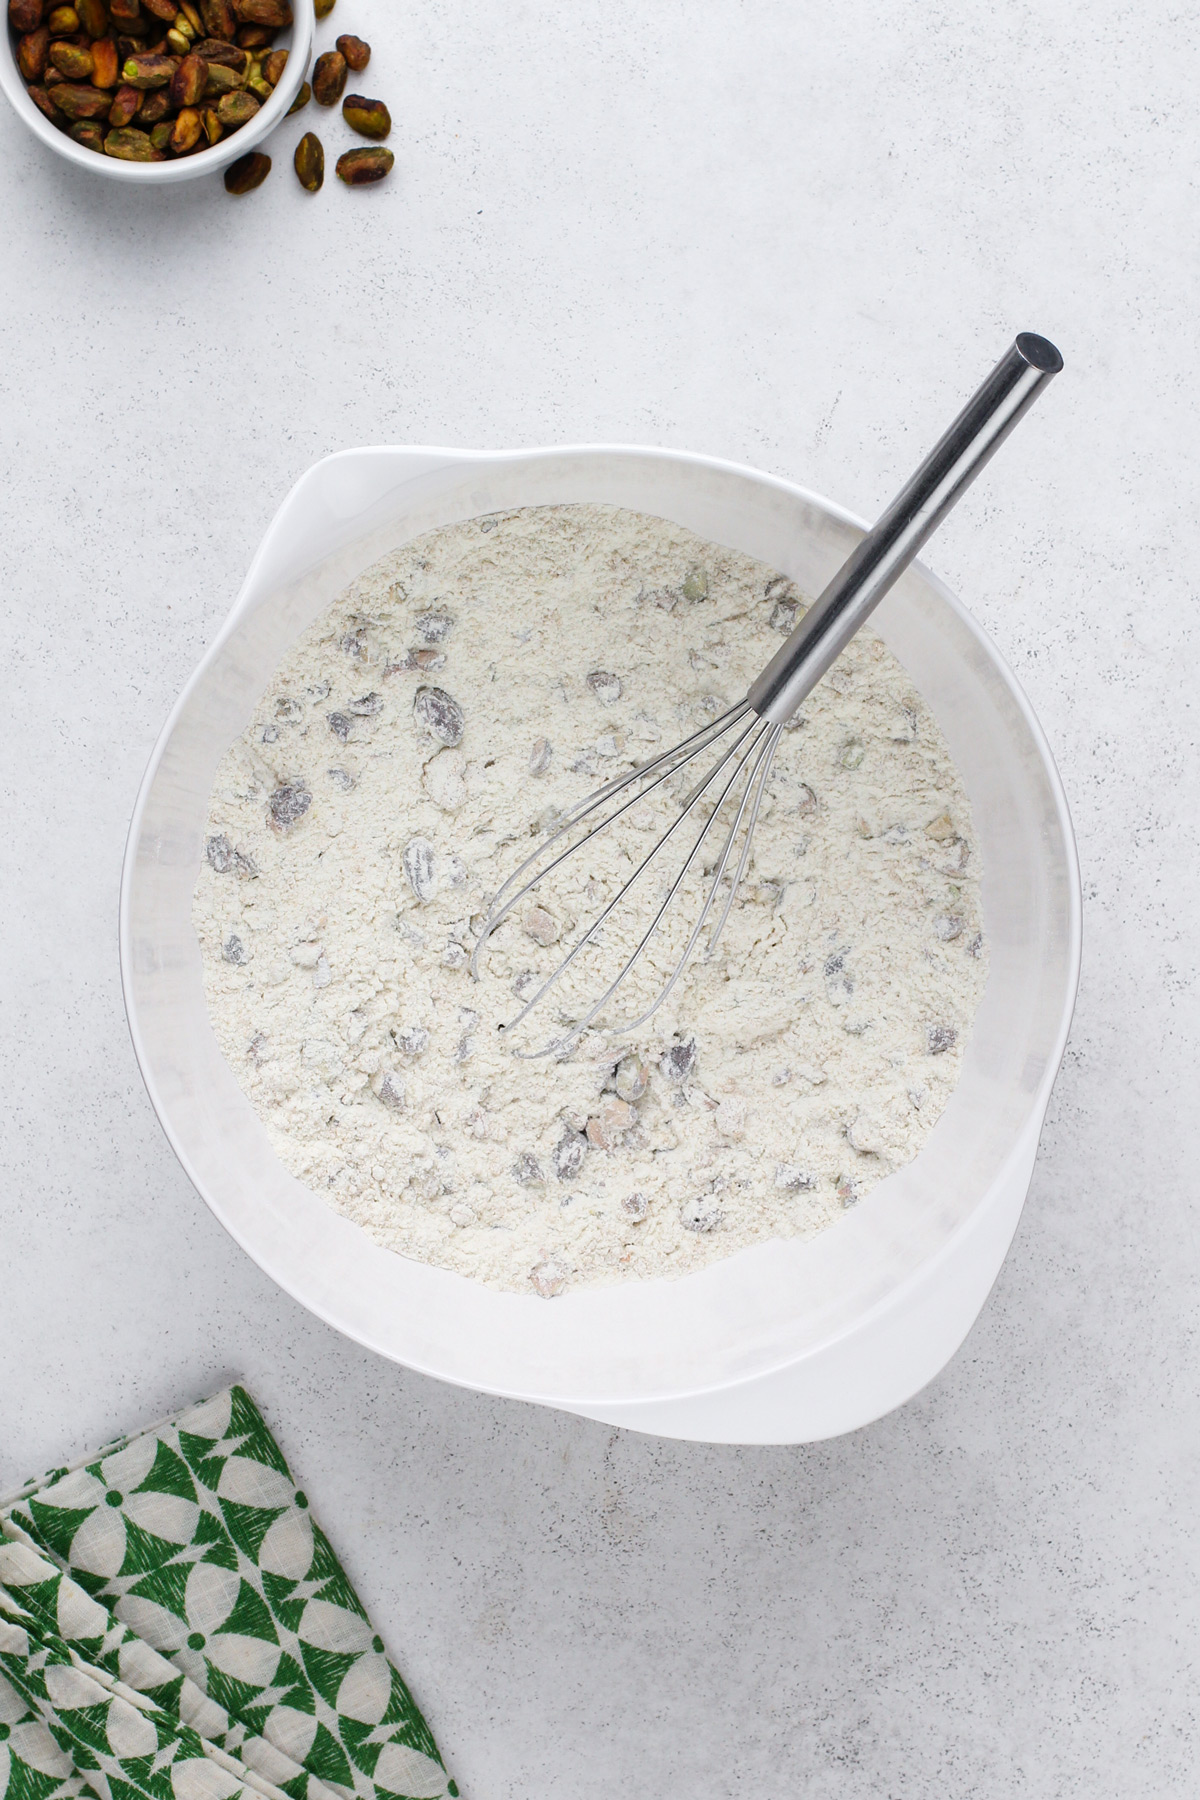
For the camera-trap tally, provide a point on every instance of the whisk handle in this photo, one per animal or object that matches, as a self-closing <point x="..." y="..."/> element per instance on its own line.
<point x="916" y="512"/>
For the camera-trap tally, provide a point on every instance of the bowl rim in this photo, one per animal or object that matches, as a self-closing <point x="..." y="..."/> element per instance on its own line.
<point x="1023" y="1145"/>
<point x="185" y="168"/>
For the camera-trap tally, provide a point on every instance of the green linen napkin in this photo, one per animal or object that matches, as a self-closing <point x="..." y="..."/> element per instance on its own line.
<point x="174" y="1625"/>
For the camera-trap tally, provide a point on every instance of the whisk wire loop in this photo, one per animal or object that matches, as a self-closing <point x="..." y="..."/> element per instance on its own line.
<point x="755" y="732"/>
<point x="760" y="782"/>
<point x="764" y="752"/>
<point x="676" y="756"/>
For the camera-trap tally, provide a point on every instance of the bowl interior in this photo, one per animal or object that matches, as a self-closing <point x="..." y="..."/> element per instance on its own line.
<point x="297" y="41"/>
<point x="766" y="1306"/>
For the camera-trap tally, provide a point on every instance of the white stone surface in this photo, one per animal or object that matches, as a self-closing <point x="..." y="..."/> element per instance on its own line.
<point x="788" y="233"/>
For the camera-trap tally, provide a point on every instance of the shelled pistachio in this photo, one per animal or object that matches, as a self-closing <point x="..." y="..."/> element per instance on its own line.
<point x="309" y="162"/>
<point x="329" y="78"/>
<point x="247" y="173"/>
<point x="370" y="118"/>
<point x="356" y="52"/>
<point x="359" y="168"/>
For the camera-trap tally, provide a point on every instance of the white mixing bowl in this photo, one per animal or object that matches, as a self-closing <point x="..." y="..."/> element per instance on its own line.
<point x="785" y="1342"/>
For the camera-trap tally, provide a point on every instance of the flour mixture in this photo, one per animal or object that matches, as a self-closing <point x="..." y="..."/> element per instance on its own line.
<point x="446" y="709"/>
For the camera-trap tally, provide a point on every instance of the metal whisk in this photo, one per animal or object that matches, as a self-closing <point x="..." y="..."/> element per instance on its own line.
<point x="746" y="737"/>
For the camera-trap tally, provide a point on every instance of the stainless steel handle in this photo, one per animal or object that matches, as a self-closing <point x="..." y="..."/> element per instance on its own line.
<point x="916" y="512"/>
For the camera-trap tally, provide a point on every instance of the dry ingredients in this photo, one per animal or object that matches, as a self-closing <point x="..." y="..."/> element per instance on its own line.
<point x="148" y="80"/>
<point x="422" y="732"/>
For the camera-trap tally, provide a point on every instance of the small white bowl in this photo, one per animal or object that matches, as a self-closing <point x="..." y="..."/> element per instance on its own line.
<point x="297" y="42"/>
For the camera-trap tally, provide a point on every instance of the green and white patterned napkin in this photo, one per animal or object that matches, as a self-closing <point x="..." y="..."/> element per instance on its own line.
<point x="175" y="1626"/>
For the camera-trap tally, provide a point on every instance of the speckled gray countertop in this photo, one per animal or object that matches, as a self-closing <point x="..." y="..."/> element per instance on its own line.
<point x="793" y="235"/>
